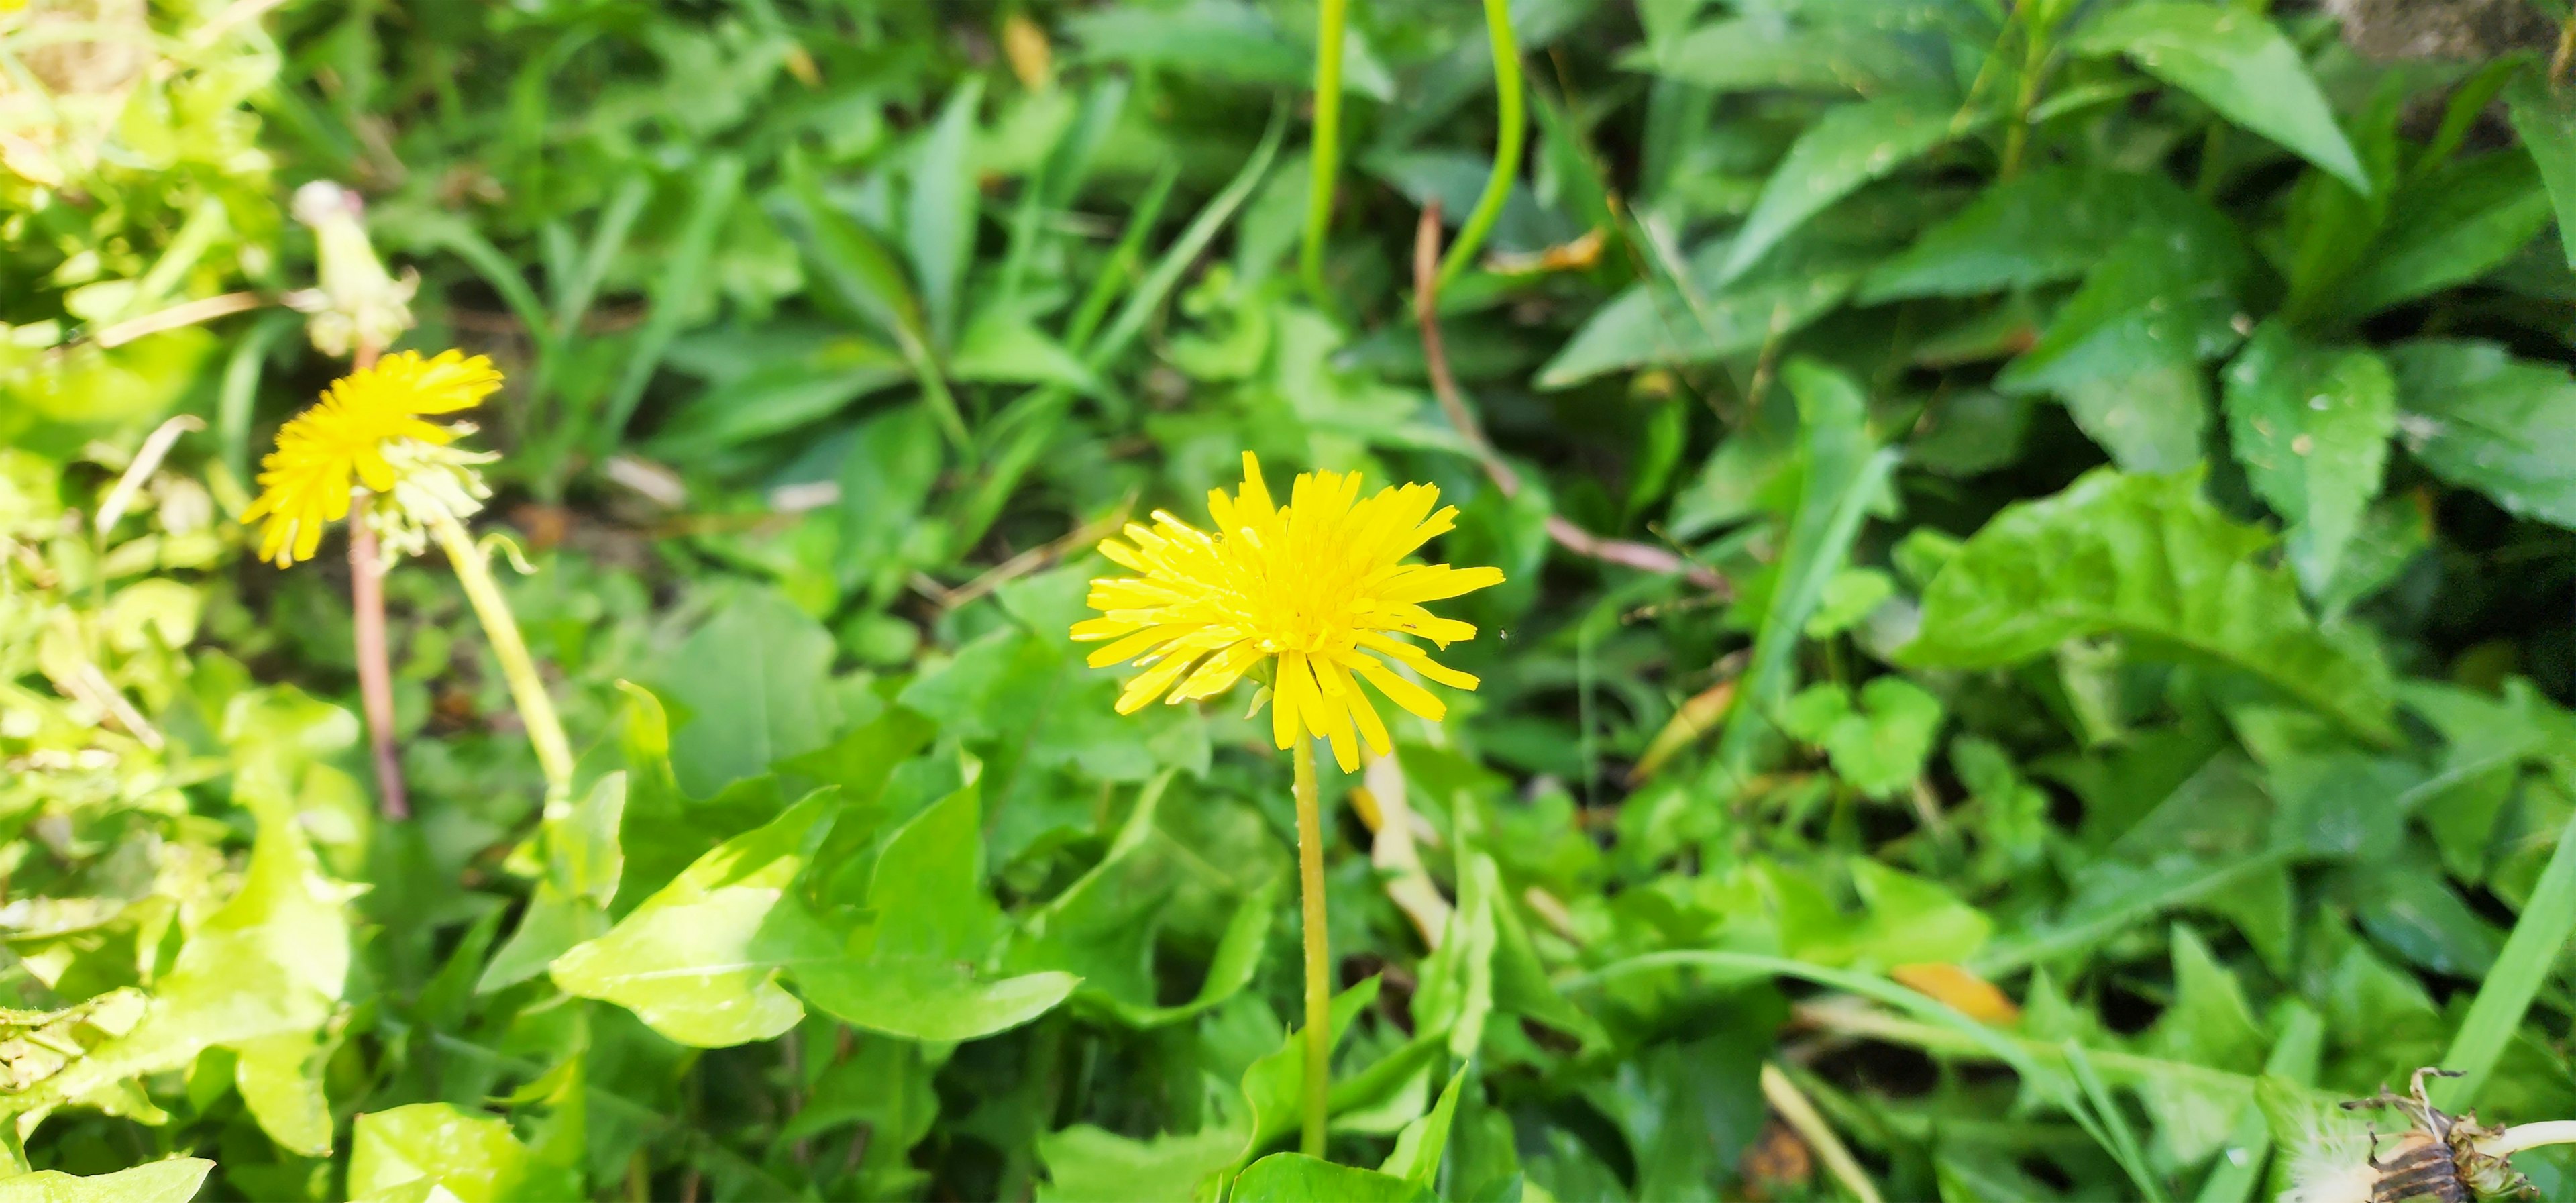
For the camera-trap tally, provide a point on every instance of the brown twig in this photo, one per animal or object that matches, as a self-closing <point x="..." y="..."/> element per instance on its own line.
<point x="375" y="669"/>
<point x="1435" y="361"/>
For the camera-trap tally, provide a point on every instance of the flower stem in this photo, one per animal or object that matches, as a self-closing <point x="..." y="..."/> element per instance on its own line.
<point x="2529" y="1136"/>
<point x="1325" y="164"/>
<point x="1510" y="132"/>
<point x="1319" y="960"/>
<point x="527" y="689"/>
<point x="375" y="672"/>
<point x="375" y="661"/>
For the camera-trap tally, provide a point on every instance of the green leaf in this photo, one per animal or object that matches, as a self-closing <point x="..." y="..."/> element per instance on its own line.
<point x="2239" y="63"/>
<point x="1761" y="51"/>
<point x="475" y="1158"/>
<point x="1419" y="1147"/>
<point x="2208" y="1024"/>
<point x="1658" y="324"/>
<point x="2160" y="299"/>
<point x="940" y="216"/>
<point x="1846" y="148"/>
<point x="2146" y="558"/>
<point x="583" y="867"/>
<point x="280" y="1080"/>
<point x="754" y="683"/>
<point x="1103" y="927"/>
<point x="1844" y="473"/>
<point x="172" y="1181"/>
<point x="2547" y="124"/>
<point x="272" y="960"/>
<point x="777" y="397"/>
<point x="2046" y="225"/>
<point x="677" y="285"/>
<point x="2152" y="419"/>
<point x="2449" y="228"/>
<point x="919" y="972"/>
<point x="1297" y="1178"/>
<point x="2484" y="420"/>
<point x="2311" y="426"/>
<point x="1094" y="1165"/>
<point x="699" y="961"/>
<point x="1878" y="746"/>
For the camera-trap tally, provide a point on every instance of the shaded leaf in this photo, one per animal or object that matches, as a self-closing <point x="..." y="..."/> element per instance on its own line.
<point x="1846" y="148"/>
<point x="2484" y="420"/>
<point x="2311" y="427"/>
<point x="2143" y="557"/>
<point x="2239" y="63"/>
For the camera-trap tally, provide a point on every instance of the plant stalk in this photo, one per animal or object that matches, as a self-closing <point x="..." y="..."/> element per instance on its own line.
<point x="527" y="688"/>
<point x="1324" y="165"/>
<point x="1319" y="960"/>
<point x="1511" y="125"/>
<point x="375" y="658"/>
<point x="2034" y="64"/>
<point x="375" y="670"/>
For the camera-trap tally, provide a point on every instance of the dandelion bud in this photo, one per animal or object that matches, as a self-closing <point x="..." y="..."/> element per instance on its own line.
<point x="358" y="303"/>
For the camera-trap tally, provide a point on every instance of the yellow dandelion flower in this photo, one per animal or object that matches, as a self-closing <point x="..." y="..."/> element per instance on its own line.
<point x="343" y="442"/>
<point x="1318" y="589"/>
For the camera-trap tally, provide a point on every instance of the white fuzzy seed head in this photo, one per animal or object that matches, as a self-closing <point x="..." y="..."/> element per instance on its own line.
<point x="2331" y="1167"/>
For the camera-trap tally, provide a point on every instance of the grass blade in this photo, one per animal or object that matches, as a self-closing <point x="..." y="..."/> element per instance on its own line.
<point x="2528" y="955"/>
<point x="718" y="184"/>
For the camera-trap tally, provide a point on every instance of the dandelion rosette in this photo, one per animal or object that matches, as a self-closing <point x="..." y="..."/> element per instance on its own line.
<point x="368" y="431"/>
<point x="1317" y="592"/>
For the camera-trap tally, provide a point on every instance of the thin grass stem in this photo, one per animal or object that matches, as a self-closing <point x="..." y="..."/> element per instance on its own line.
<point x="1511" y="125"/>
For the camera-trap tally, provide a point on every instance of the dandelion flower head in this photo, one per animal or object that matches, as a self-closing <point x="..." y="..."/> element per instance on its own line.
<point x="1317" y="590"/>
<point x="368" y="430"/>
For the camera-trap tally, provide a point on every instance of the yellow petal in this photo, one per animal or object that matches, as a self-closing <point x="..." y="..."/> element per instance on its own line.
<point x="1372" y="728"/>
<point x="1397" y="690"/>
<point x="1150" y="684"/>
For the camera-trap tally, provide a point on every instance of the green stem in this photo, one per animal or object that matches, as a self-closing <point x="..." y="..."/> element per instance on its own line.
<point x="527" y="689"/>
<point x="1325" y="163"/>
<point x="2034" y="62"/>
<point x="2520" y="968"/>
<point x="1319" y="959"/>
<point x="1511" y="125"/>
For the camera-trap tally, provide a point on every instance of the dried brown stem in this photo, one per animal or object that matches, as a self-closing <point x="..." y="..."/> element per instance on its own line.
<point x="1435" y="361"/>
<point x="375" y="667"/>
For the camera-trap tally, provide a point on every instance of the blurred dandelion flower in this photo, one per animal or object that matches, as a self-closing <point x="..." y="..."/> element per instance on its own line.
<point x="1316" y="591"/>
<point x="367" y="431"/>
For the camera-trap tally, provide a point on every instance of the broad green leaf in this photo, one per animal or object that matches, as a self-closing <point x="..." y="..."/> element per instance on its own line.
<point x="2482" y="419"/>
<point x="2449" y="228"/>
<point x="1762" y="51"/>
<point x="886" y="475"/>
<point x="1092" y="1165"/>
<point x="919" y="972"/>
<point x="1658" y="324"/>
<point x="2547" y="124"/>
<point x="2046" y="225"/>
<point x="940" y="218"/>
<point x="2152" y="419"/>
<point x="1221" y="39"/>
<point x="1846" y="148"/>
<point x="280" y="1079"/>
<point x="2239" y="63"/>
<point x="885" y="1084"/>
<point x="475" y="1158"/>
<point x="1878" y="745"/>
<point x="754" y="685"/>
<point x="1103" y="927"/>
<point x="2161" y="298"/>
<point x="699" y="961"/>
<point x="2146" y="558"/>
<point x="1297" y="1178"/>
<point x="2311" y="426"/>
<point x="583" y="866"/>
<point x="271" y="961"/>
<point x="172" y="1181"/>
<point x="778" y="397"/>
